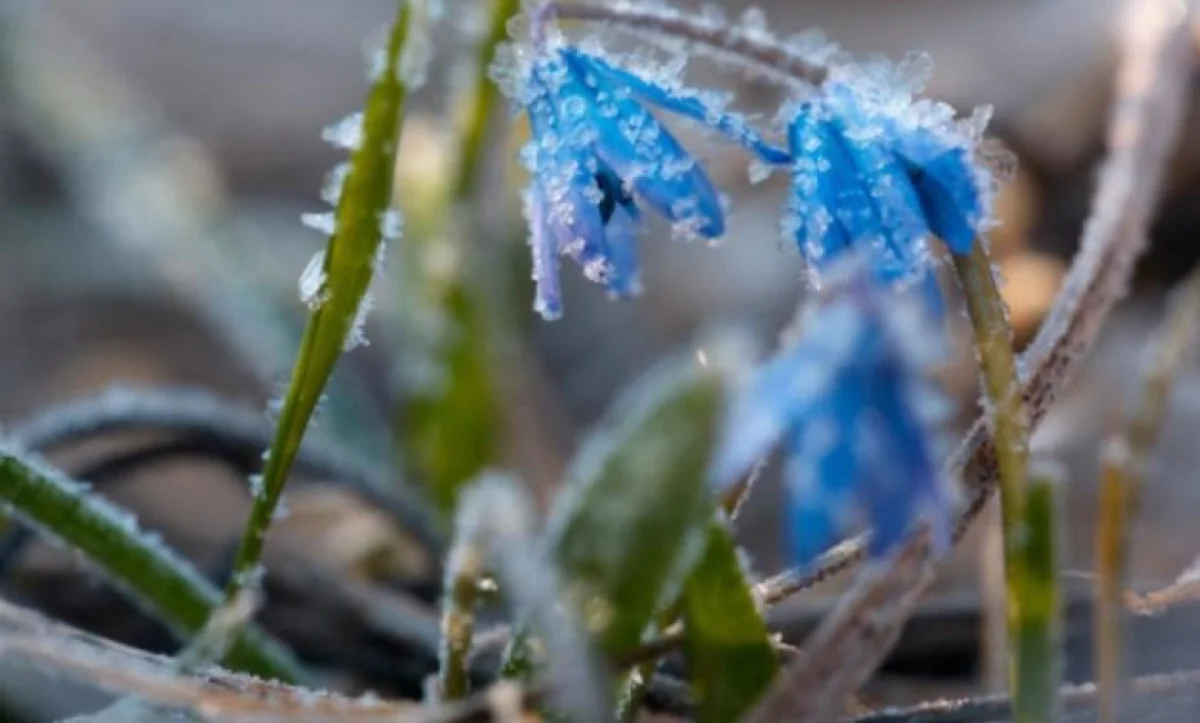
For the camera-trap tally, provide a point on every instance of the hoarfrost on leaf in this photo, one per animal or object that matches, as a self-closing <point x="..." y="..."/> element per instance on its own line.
<point x="324" y="223"/>
<point x="346" y="133"/>
<point x="312" y="282"/>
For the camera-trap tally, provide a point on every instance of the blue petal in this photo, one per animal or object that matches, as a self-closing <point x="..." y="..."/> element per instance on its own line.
<point x="830" y="207"/>
<point x="671" y="99"/>
<point x="623" y="275"/>
<point x="945" y="180"/>
<point x="634" y="144"/>
<point x="820" y="477"/>
<point x="545" y="247"/>
<point x="784" y="389"/>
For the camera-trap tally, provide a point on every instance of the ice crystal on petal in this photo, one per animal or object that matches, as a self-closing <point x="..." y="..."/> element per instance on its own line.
<point x="849" y="402"/>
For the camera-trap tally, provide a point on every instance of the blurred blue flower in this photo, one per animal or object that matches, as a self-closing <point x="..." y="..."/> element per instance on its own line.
<point x="595" y="148"/>
<point x="877" y="171"/>
<point x="853" y="407"/>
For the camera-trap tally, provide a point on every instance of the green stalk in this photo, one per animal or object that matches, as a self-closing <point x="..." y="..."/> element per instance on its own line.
<point x="348" y="269"/>
<point x="463" y="573"/>
<point x="993" y="344"/>
<point x="161" y="581"/>
<point x="1123" y="468"/>
<point x="480" y="103"/>
<point x="1037" y="670"/>
<point x="451" y="429"/>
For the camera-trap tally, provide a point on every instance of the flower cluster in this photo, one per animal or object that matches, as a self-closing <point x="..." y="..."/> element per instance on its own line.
<point x="853" y="406"/>
<point x="875" y="174"/>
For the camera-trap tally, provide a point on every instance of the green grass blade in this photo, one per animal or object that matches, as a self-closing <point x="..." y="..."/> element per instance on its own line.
<point x="631" y="520"/>
<point x="451" y="428"/>
<point x="350" y="263"/>
<point x="730" y="659"/>
<point x="152" y="574"/>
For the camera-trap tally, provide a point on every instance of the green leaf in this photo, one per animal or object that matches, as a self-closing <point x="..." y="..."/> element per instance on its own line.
<point x="630" y="521"/>
<point x="730" y="659"/>
<point x="152" y="574"/>
<point x="450" y="429"/>
<point x="351" y="259"/>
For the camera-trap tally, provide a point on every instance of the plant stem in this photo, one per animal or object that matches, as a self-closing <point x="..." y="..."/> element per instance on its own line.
<point x="153" y="574"/>
<point x="1123" y="466"/>
<point x="1036" y="669"/>
<point x="450" y="430"/>
<point x="480" y="103"/>
<point x="993" y="344"/>
<point x="463" y="572"/>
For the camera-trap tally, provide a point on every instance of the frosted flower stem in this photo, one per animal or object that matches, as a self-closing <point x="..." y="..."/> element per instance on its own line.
<point x="1122" y="471"/>
<point x="1006" y="417"/>
<point x="351" y="262"/>
<point x="764" y="53"/>
<point x="464" y="569"/>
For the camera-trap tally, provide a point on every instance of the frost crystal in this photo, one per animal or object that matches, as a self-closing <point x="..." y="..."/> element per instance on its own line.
<point x="325" y="223"/>
<point x="335" y="181"/>
<point x="312" y="282"/>
<point x="346" y="133"/>
<point x="849" y="402"/>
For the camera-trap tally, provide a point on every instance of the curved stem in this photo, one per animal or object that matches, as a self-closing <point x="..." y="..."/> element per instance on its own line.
<point x="755" y="47"/>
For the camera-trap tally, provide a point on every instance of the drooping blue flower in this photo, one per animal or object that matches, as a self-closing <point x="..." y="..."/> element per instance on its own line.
<point x="853" y="408"/>
<point x="595" y="148"/>
<point x="877" y="171"/>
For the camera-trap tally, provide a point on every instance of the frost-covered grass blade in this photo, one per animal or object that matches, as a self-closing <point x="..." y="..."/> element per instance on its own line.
<point x="136" y="561"/>
<point x="730" y="659"/>
<point x="360" y="224"/>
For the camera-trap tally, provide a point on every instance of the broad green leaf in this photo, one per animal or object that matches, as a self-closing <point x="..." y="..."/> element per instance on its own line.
<point x="630" y="521"/>
<point x="730" y="659"/>
<point x="149" y="572"/>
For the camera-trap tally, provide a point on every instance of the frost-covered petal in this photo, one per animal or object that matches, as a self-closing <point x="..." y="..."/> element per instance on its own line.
<point x="624" y="279"/>
<point x="545" y="248"/>
<point x="765" y="406"/>
<point x="678" y="100"/>
<point x="947" y="184"/>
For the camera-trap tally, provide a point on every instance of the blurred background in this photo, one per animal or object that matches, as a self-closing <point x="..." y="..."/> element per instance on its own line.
<point x="155" y="156"/>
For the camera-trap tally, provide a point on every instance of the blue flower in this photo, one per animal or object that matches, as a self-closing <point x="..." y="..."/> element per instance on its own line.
<point x="878" y="172"/>
<point x="595" y="151"/>
<point x="853" y="407"/>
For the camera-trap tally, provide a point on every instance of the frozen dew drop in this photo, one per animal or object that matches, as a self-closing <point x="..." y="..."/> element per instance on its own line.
<point x="346" y="133"/>
<point x="758" y="171"/>
<point x="335" y="181"/>
<point x="391" y="224"/>
<point x="257" y="488"/>
<point x="323" y="223"/>
<point x="312" y="282"/>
